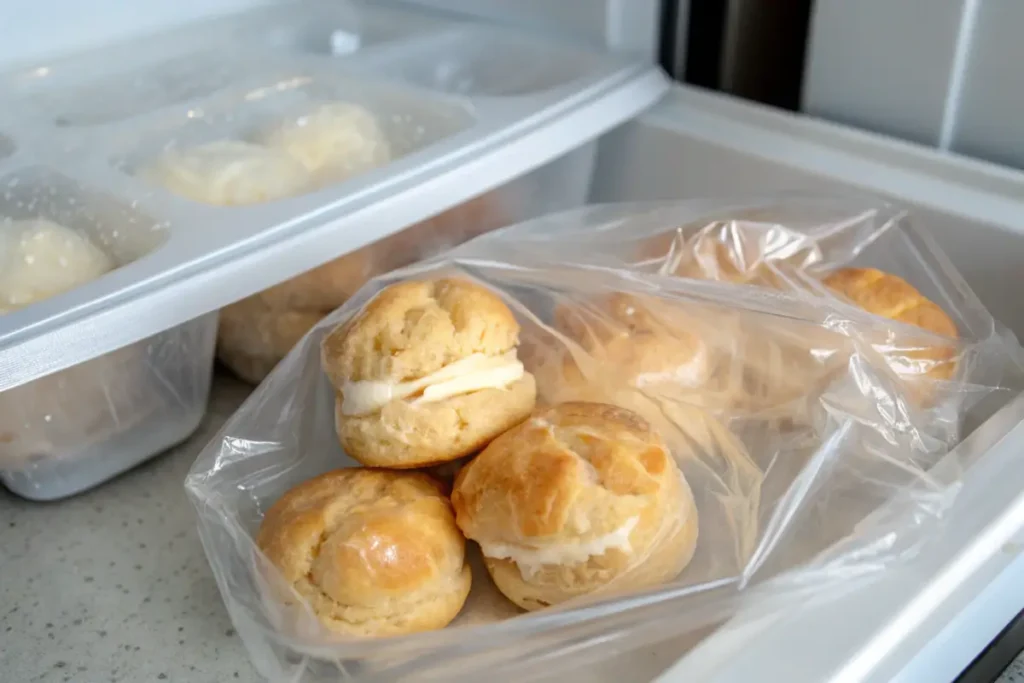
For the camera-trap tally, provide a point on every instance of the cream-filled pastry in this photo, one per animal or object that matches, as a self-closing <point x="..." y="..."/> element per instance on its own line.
<point x="230" y="173"/>
<point x="579" y="499"/>
<point x="426" y="373"/>
<point x="373" y="552"/>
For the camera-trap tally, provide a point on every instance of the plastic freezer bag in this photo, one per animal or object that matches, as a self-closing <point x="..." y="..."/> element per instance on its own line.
<point x="812" y="436"/>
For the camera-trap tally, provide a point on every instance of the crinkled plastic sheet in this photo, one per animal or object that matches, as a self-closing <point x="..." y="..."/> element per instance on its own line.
<point x="815" y="436"/>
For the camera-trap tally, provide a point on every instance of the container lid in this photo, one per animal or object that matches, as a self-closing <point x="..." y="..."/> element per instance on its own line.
<point x="214" y="160"/>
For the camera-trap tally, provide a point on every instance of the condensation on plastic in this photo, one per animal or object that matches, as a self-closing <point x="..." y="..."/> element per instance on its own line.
<point x="71" y="430"/>
<point x="825" y="463"/>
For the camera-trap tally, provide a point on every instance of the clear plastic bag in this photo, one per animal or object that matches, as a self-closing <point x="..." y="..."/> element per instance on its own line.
<point x="816" y="437"/>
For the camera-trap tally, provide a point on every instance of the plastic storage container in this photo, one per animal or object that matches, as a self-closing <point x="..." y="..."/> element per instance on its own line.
<point x="464" y="107"/>
<point x="68" y="431"/>
<point x="85" y="142"/>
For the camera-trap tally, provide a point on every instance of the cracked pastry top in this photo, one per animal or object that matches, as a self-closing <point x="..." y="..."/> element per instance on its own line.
<point x="579" y="499"/>
<point x="426" y="373"/>
<point x="372" y="552"/>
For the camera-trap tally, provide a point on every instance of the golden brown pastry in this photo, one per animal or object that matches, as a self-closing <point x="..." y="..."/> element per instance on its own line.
<point x="892" y="297"/>
<point x="257" y="332"/>
<point x="252" y="337"/>
<point x="426" y="373"/>
<point x="373" y="552"/>
<point x="579" y="499"/>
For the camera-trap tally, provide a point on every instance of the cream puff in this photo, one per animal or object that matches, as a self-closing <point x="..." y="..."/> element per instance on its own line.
<point x="582" y="498"/>
<point x="258" y="331"/>
<point x="254" y="334"/>
<point x="426" y="373"/>
<point x="372" y="552"/>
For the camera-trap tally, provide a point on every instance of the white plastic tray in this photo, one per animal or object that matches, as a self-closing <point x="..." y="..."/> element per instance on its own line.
<point x="466" y="107"/>
<point x="928" y="620"/>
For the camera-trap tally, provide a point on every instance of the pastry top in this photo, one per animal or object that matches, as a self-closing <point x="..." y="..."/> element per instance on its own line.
<point x="568" y="478"/>
<point x="365" y="537"/>
<point x="415" y="328"/>
<point x="891" y="297"/>
<point x="39" y="259"/>
<point x="230" y="173"/>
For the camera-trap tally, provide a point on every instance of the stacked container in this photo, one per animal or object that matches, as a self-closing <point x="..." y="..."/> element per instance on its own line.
<point x="108" y="373"/>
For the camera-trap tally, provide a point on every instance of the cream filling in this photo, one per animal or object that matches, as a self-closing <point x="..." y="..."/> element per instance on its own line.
<point x="531" y="559"/>
<point x="473" y="373"/>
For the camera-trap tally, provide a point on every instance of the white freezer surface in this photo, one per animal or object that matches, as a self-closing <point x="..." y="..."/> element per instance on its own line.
<point x="928" y="620"/>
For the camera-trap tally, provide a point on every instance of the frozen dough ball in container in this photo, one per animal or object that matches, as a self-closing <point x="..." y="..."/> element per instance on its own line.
<point x="39" y="259"/>
<point x="230" y="173"/>
<point x="72" y="429"/>
<point x="63" y="412"/>
<point x="580" y="499"/>
<point x="334" y="141"/>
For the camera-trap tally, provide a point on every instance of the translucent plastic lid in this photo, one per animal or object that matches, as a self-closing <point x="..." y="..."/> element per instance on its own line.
<point x="214" y="160"/>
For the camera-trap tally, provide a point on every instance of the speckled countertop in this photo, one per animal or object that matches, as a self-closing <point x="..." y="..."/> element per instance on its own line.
<point x="112" y="586"/>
